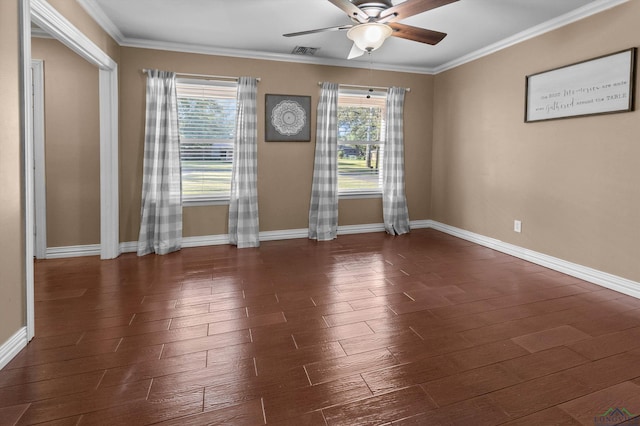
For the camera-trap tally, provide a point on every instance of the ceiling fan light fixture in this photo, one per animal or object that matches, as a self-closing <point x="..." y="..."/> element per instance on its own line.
<point x="369" y="36"/>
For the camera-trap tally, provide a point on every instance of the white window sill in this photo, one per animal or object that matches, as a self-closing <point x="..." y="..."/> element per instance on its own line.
<point x="205" y="202"/>
<point x="356" y="195"/>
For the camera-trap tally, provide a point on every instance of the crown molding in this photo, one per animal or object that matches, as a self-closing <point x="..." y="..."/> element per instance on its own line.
<point x="266" y="56"/>
<point x="553" y="24"/>
<point x="96" y="12"/>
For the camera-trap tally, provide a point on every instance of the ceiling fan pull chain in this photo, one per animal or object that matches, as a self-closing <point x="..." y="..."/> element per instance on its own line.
<point x="370" y="75"/>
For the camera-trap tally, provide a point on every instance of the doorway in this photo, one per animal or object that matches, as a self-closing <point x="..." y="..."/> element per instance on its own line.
<point x="46" y="17"/>
<point x="72" y="160"/>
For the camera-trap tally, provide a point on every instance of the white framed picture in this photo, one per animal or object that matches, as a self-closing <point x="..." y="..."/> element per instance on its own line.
<point x="602" y="85"/>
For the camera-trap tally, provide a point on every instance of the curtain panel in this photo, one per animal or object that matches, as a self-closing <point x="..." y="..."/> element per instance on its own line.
<point x="243" y="204"/>
<point x="394" y="203"/>
<point x="323" y="209"/>
<point x="161" y="210"/>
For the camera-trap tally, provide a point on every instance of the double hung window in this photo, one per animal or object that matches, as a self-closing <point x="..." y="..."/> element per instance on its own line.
<point x="206" y="123"/>
<point x="361" y="124"/>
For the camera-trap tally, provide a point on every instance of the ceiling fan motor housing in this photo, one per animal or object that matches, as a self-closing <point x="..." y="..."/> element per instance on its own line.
<point x="372" y="8"/>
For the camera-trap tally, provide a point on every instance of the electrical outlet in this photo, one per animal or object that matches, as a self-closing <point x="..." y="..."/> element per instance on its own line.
<point x="517" y="226"/>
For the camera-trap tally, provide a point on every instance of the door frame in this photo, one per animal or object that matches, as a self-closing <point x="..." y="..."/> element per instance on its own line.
<point x="50" y="20"/>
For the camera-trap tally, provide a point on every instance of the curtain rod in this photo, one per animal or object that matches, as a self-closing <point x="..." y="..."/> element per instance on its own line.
<point x="217" y="77"/>
<point x="355" y="86"/>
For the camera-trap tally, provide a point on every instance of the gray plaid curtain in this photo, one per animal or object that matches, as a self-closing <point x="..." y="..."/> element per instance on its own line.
<point x="394" y="202"/>
<point x="161" y="212"/>
<point x="243" y="204"/>
<point x="323" y="211"/>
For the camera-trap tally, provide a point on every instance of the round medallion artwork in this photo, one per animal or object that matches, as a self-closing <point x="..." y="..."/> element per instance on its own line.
<point x="288" y="117"/>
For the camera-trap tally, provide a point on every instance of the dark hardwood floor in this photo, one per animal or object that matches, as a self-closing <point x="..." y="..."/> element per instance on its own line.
<point x="367" y="329"/>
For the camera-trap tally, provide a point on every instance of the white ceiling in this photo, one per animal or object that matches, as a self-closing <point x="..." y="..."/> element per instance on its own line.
<point x="254" y="28"/>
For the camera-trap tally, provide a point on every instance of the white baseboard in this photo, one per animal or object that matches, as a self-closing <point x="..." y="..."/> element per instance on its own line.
<point x="342" y="230"/>
<point x="73" y="251"/>
<point x="129" y="247"/>
<point x="360" y="229"/>
<point x="216" y="240"/>
<point x="11" y="347"/>
<point x="420" y="224"/>
<point x="613" y="282"/>
<point x="604" y="279"/>
<point x="213" y="240"/>
<point x="285" y="234"/>
<point x="207" y="240"/>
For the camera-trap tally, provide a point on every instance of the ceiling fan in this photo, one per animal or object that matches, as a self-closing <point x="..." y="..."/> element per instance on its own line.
<point x="376" y="20"/>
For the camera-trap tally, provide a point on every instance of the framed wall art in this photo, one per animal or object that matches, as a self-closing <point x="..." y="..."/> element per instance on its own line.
<point x="602" y="85"/>
<point x="287" y="118"/>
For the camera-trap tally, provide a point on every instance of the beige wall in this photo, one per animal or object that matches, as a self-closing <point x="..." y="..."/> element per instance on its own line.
<point x="12" y="301"/>
<point x="573" y="183"/>
<point x="284" y="169"/>
<point x="72" y="145"/>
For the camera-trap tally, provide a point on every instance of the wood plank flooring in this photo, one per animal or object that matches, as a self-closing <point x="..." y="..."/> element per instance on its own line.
<point x="364" y="330"/>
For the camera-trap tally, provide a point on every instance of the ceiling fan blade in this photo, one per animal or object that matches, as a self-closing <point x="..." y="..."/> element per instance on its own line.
<point x="355" y="52"/>
<point x="320" y="30"/>
<point x="410" y="8"/>
<point x="416" y="34"/>
<point x="351" y="9"/>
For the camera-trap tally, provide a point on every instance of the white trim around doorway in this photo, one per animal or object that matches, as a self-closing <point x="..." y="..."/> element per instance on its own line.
<point x="51" y="21"/>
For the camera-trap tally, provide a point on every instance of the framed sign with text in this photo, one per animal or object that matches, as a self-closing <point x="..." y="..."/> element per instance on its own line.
<point x="602" y="85"/>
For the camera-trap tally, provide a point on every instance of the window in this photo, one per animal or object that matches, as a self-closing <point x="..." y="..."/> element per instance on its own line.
<point x="360" y="142"/>
<point x="206" y="123"/>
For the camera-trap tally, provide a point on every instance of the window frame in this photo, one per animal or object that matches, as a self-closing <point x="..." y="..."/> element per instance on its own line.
<point x="381" y="96"/>
<point x="205" y="199"/>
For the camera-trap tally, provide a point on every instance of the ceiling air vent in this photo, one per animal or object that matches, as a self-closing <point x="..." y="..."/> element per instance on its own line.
<point x="303" y="50"/>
